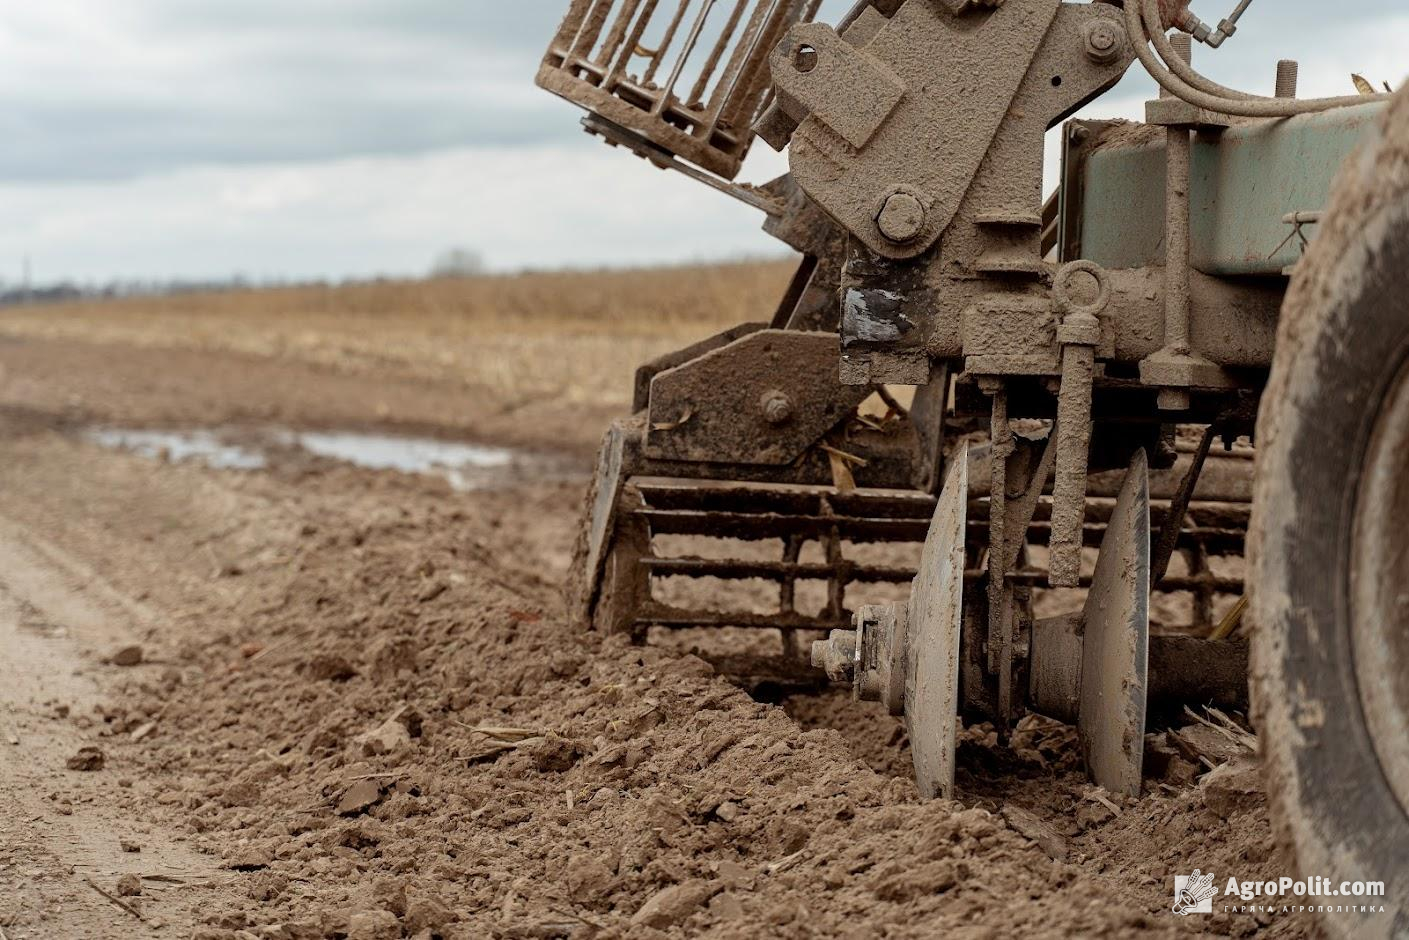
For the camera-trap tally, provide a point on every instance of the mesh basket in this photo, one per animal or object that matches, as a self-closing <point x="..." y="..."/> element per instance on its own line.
<point x="689" y="76"/>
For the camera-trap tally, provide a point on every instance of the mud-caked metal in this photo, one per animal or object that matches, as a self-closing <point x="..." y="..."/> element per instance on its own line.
<point x="1104" y="339"/>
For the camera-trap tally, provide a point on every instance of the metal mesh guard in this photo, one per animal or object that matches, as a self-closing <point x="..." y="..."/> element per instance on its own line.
<point x="688" y="75"/>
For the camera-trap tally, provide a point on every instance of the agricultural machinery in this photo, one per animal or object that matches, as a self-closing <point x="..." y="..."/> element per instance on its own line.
<point x="1143" y="441"/>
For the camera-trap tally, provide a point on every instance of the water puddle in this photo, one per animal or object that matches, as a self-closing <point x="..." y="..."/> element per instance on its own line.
<point x="464" y="466"/>
<point x="177" y="446"/>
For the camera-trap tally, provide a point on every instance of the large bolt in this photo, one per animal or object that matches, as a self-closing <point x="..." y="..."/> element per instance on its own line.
<point x="1183" y="45"/>
<point x="1103" y="41"/>
<point x="1287" y="70"/>
<point x="836" y="655"/>
<point x="777" y="406"/>
<point x="901" y="218"/>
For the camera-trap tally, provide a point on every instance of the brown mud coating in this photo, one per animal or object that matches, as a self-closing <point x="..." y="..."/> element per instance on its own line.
<point x="296" y="754"/>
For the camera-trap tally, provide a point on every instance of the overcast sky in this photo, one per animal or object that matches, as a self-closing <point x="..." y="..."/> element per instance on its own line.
<point x="336" y="138"/>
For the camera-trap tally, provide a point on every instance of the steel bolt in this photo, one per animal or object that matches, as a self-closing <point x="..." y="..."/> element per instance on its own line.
<point x="1103" y="41"/>
<point x="777" y="406"/>
<point x="1183" y="44"/>
<point x="1287" y="70"/>
<point x="901" y="218"/>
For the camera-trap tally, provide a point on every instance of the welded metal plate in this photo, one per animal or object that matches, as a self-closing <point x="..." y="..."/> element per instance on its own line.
<point x="1115" y="654"/>
<point x="713" y="408"/>
<point x="932" y="658"/>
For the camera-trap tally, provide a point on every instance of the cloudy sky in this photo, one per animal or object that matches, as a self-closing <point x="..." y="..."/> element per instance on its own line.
<point x="337" y="138"/>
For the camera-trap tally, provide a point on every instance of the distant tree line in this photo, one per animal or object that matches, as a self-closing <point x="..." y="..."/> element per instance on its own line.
<point x="64" y="291"/>
<point x="454" y="262"/>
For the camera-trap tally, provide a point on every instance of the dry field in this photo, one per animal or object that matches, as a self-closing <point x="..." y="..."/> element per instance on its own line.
<point x="358" y="711"/>
<point x="512" y="341"/>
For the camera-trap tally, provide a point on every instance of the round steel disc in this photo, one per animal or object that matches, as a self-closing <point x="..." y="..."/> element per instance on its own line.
<point x="1115" y="650"/>
<point x="932" y="657"/>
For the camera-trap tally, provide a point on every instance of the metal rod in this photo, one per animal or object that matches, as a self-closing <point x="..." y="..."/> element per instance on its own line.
<point x="590" y="29"/>
<point x="787" y="598"/>
<point x="717" y="52"/>
<point x="1178" y="508"/>
<point x="738" y="61"/>
<point x="1176" y="226"/>
<point x="618" y="32"/>
<point x="689" y="47"/>
<point x="628" y="49"/>
<point x="1073" y="454"/>
<point x="755" y="69"/>
<point x="736" y="570"/>
<point x="836" y="586"/>
<point x="665" y="42"/>
<point x="1001" y="433"/>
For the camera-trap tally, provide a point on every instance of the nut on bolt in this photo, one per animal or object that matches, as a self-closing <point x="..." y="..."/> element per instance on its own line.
<point x="901" y="217"/>
<point x="777" y="406"/>
<point x="836" y="655"/>
<point x="1103" y="41"/>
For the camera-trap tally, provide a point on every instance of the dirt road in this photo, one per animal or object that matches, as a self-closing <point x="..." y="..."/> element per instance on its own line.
<point x="359" y="714"/>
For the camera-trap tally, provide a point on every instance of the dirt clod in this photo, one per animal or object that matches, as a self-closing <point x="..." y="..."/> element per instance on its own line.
<point x="129" y="885"/>
<point x="130" y="655"/>
<point x="426" y="913"/>
<point x="671" y="905"/>
<point x="373" y="925"/>
<point x="329" y="667"/>
<point x="387" y="738"/>
<point x="588" y="877"/>
<point x="1232" y="786"/>
<point x="554" y="754"/>
<point x="1029" y="826"/>
<point x="88" y="758"/>
<point x="360" y="796"/>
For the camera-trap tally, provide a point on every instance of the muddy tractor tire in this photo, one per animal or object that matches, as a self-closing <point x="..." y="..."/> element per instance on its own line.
<point x="1329" y="546"/>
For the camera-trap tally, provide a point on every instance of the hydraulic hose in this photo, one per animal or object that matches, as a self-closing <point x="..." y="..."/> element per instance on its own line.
<point x="1154" y="30"/>
<point x="1224" y="100"/>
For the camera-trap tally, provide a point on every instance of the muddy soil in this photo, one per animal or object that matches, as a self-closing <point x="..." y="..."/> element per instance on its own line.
<point x="358" y="712"/>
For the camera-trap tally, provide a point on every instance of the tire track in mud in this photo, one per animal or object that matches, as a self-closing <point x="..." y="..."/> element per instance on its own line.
<point x="63" y="833"/>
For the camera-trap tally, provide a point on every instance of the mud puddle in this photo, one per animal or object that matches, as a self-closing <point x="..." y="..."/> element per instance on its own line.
<point x="177" y="446"/>
<point x="465" y="466"/>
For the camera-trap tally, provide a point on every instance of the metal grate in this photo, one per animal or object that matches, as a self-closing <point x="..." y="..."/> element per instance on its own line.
<point x="1215" y="527"/>
<point x="688" y="75"/>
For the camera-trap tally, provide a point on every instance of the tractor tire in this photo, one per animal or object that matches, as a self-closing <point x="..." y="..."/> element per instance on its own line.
<point x="1329" y="547"/>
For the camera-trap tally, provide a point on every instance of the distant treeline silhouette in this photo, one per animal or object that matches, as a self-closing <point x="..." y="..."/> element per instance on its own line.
<point x="13" y="295"/>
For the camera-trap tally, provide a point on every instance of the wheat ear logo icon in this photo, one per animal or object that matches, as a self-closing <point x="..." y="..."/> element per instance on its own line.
<point x="1194" y="894"/>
